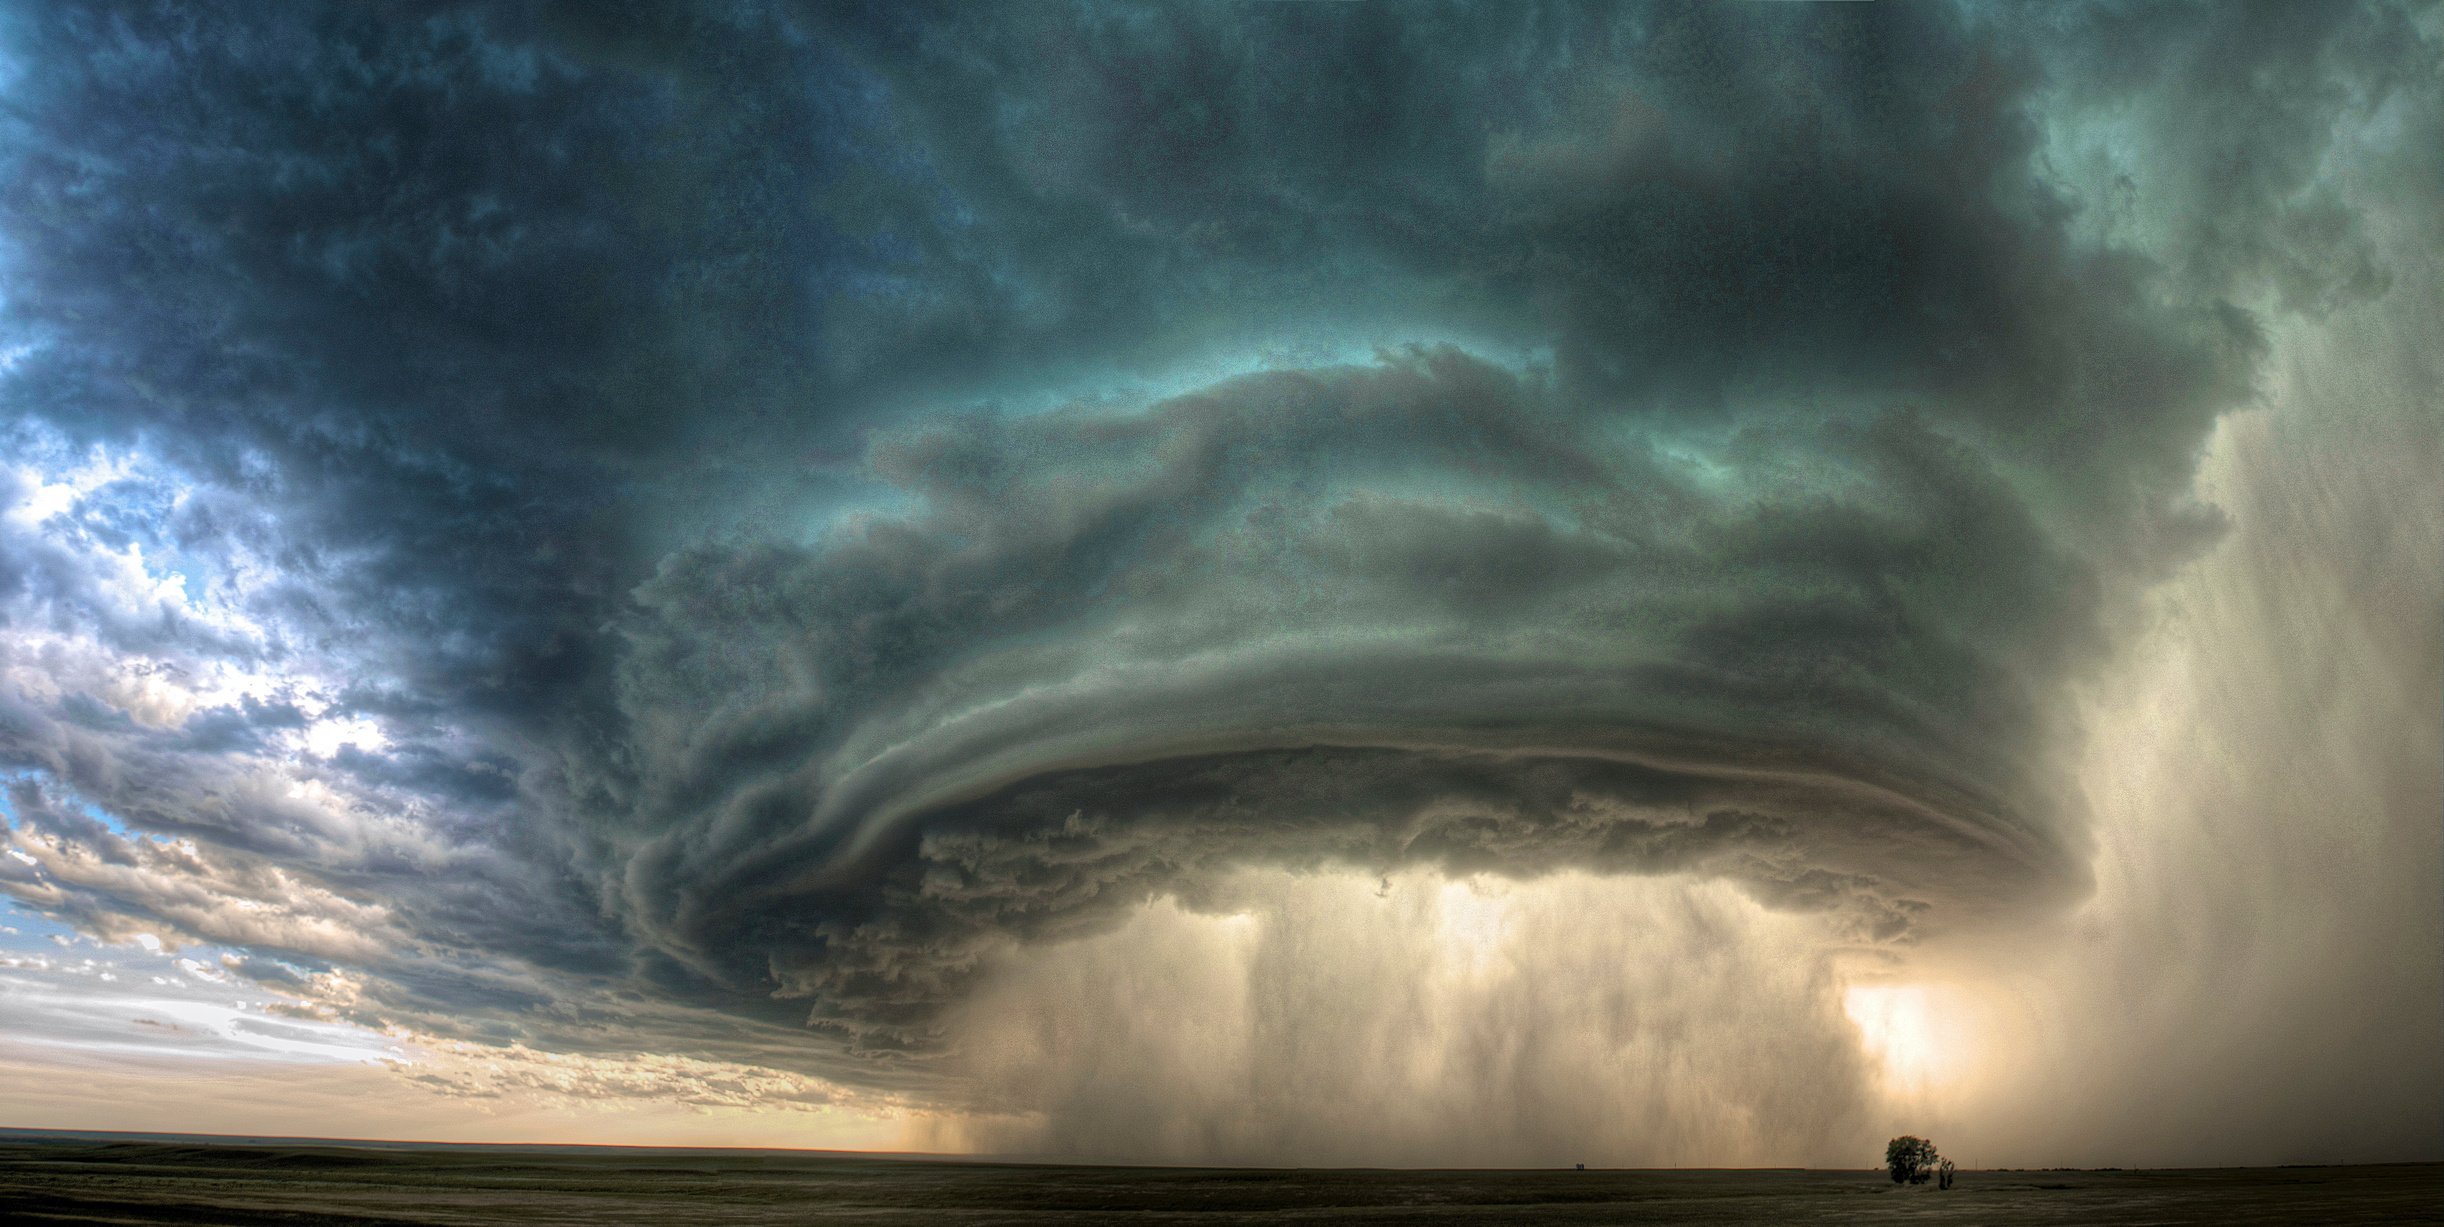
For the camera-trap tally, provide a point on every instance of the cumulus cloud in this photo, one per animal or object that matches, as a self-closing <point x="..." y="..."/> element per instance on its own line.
<point x="75" y="869"/>
<point x="726" y="531"/>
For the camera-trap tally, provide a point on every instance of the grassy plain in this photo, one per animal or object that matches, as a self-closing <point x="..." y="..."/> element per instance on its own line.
<point x="87" y="1179"/>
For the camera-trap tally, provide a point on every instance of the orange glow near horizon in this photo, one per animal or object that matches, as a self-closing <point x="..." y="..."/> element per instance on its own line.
<point x="1910" y="1031"/>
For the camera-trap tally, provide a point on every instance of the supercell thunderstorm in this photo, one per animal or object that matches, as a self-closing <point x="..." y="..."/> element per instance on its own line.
<point x="701" y="535"/>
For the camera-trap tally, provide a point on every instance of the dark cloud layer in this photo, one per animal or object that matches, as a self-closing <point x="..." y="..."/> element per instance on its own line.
<point x="1547" y="649"/>
<point x="811" y="497"/>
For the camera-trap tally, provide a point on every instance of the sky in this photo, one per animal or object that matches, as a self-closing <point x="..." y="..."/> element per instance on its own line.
<point x="1423" y="584"/>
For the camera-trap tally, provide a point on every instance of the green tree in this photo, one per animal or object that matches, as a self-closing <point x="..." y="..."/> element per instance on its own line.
<point x="1910" y="1160"/>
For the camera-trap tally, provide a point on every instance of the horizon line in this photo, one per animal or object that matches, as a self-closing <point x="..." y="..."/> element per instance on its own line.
<point x="1023" y="1160"/>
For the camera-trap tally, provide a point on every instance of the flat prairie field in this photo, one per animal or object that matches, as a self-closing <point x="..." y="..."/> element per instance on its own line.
<point x="85" y="1179"/>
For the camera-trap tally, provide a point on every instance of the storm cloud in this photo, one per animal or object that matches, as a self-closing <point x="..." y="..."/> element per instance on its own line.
<point x="721" y="532"/>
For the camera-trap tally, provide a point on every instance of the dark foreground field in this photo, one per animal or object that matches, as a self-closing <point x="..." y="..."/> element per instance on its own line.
<point x="66" y="1179"/>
